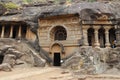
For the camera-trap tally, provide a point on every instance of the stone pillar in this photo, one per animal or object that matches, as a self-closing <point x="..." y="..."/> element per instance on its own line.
<point x="11" y="32"/>
<point x="28" y="33"/>
<point x="19" y="32"/>
<point x="85" y="37"/>
<point x="97" y="44"/>
<point x="107" y="44"/>
<point x="3" y="30"/>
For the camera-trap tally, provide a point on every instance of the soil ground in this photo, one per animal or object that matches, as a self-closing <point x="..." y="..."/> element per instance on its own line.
<point x="47" y="73"/>
<point x="50" y="73"/>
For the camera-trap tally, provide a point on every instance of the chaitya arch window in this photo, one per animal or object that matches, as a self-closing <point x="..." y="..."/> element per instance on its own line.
<point x="60" y="34"/>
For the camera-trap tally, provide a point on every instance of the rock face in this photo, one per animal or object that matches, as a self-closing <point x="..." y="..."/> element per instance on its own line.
<point x="10" y="58"/>
<point x="18" y="55"/>
<point x="114" y="58"/>
<point x="5" y="67"/>
<point x="88" y="60"/>
<point x="2" y="9"/>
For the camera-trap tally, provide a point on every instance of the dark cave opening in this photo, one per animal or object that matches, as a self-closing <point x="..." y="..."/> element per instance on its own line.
<point x="1" y="58"/>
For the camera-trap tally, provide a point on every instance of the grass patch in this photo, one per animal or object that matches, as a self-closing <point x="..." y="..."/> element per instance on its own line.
<point x="11" y="5"/>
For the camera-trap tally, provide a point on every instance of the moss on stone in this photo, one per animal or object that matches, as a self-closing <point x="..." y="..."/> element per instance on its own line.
<point x="11" y="5"/>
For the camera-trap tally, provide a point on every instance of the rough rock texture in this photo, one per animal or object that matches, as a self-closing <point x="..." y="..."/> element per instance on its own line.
<point x="2" y="9"/>
<point x="17" y="53"/>
<point x="114" y="58"/>
<point x="88" y="60"/>
<point x="9" y="58"/>
<point x="5" y="67"/>
<point x="31" y="14"/>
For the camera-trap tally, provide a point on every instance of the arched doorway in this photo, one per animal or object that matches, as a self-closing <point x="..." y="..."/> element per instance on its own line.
<point x="91" y="37"/>
<point x="58" y="33"/>
<point x="112" y="36"/>
<point x="56" y="51"/>
<point x="101" y="34"/>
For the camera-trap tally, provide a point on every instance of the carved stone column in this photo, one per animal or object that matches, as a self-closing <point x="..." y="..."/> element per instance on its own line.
<point x="11" y="32"/>
<point x="97" y="44"/>
<point x="107" y="44"/>
<point x="28" y="33"/>
<point x="19" y="32"/>
<point x="3" y="30"/>
<point x="85" y="36"/>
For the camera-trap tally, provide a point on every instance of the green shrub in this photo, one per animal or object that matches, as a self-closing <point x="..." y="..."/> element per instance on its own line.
<point x="10" y="5"/>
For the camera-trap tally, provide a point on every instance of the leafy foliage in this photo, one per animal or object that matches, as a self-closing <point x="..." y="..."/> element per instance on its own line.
<point x="10" y="5"/>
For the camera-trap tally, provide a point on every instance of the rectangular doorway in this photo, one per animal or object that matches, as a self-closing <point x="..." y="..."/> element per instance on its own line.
<point x="57" y="59"/>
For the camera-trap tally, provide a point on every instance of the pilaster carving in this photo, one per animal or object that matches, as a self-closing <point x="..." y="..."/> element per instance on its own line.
<point x="3" y="30"/>
<point x="107" y="44"/>
<point x="11" y="31"/>
<point x="19" y="32"/>
<point x="97" y="44"/>
<point x="85" y="37"/>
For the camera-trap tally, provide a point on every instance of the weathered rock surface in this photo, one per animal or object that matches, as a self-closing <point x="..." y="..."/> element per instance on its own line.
<point x="88" y="60"/>
<point x="114" y="58"/>
<point x="10" y="59"/>
<point x="18" y="53"/>
<point x="2" y="9"/>
<point x="31" y="14"/>
<point x="5" y="67"/>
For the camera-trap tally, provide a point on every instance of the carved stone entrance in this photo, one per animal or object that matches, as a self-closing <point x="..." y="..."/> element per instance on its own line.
<point x="56" y="52"/>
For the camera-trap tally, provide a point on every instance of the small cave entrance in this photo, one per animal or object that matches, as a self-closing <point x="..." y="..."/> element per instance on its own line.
<point x="1" y="59"/>
<point x="15" y="32"/>
<point x="57" y="59"/>
<point x="24" y="30"/>
<point x="7" y="31"/>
